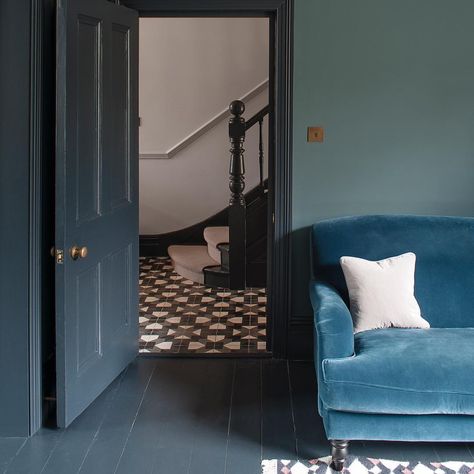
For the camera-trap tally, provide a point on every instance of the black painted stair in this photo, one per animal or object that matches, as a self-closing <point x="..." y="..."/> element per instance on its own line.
<point x="209" y="264"/>
<point x="216" y="277"/>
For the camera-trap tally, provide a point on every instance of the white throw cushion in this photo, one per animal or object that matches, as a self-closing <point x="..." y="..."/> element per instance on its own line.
<point x="382" y="293"/>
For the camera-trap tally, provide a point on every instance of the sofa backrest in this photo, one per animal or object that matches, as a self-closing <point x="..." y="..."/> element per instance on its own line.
<point x="444" y="247"/>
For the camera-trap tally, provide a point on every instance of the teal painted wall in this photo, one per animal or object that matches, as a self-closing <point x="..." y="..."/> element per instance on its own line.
<point x="14" y="208"/>
<point x="392" y="82"/>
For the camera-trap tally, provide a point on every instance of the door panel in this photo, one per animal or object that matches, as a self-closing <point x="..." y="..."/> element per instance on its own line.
<point x="88" y="79"/>
<point x="96" y="199"/>
<point x="120" y="124"/>
<point x="117" y="291"/>
<point x="88" y="317"/>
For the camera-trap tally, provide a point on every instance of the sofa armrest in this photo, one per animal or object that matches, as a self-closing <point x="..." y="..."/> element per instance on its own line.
<point x="332" y="322"/>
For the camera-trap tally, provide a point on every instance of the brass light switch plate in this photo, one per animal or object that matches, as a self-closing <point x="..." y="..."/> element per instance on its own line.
<point x="315" y="134"/>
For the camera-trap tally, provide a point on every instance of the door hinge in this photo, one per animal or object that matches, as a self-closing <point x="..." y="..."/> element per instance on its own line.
<point x="273" y="217"/>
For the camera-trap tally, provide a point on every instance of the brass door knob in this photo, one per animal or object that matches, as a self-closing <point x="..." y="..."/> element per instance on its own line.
<point x="78" y="252"/>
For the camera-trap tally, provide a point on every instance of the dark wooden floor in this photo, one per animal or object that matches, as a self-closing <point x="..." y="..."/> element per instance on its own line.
<point x="198" y="416"/>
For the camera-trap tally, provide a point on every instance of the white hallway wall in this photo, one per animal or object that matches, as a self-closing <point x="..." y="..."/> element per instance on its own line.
<point x="190" y="70"/>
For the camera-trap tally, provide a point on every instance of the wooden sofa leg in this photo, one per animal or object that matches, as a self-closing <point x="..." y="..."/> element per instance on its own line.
<point x="339" y="452"/>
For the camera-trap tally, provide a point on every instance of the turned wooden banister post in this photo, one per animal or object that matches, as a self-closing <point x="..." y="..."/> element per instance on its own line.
<point x="237" y="218"/>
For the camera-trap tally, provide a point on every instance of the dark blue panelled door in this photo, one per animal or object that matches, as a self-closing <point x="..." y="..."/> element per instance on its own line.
<point x="96" y="200"/>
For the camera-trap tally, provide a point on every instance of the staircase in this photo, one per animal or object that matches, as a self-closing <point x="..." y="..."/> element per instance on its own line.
<point x="206" y="264"/>
<point x="235" y="255"/>
<point x="209" y="264"/>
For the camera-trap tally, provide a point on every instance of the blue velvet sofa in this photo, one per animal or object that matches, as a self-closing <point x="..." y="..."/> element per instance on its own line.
<point x="396" y="384"/>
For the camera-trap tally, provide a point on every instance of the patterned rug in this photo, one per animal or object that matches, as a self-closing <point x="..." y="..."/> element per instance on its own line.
<point x="359" y="465"/>
<point x="180" y="316"/>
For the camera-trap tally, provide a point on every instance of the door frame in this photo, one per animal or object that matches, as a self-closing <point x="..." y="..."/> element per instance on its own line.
<point x="40" y="291"/>
<point x="36" y="257"/>
<point x="41" y="288"/>
<point x="280" y="14"/>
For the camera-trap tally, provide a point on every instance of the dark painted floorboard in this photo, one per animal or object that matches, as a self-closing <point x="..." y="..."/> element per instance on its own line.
<point x="35" y="452"/>
<point x="9" y="447"/>
<point x="398" y="451"/>
<point x="155" y="413"/>
<point x="212" y="418"/>
<point x="73" y="446"/>
<point x="454" y="451"/>
<point x="180" y="427"/>
<point x="196" y="416"/>
<point x="278" y="430"/>
<point x="310" y="438"/>
<point x="244" y="448"/>
<point x="106" y="449"/>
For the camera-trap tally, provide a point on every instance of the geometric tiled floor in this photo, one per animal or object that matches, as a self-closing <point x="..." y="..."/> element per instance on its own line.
<point x="180" y="316"/>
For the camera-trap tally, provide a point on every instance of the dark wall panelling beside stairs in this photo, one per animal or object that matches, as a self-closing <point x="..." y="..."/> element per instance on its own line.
<point x="157" y="245"/>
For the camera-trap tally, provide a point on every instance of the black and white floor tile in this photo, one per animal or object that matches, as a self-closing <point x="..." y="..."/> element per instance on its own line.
<point x="180" y="316"/>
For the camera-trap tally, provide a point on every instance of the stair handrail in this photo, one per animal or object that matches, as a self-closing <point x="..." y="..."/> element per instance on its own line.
<point x="260" y="115"/>
<point x="237" y="206"/>
<point x="206" y="127"/>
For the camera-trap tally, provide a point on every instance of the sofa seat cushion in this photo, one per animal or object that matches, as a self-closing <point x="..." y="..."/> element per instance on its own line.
<point x="403" y="371"/>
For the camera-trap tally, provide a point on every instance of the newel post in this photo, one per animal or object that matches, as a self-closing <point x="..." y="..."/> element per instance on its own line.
<point x="237" y="218"/>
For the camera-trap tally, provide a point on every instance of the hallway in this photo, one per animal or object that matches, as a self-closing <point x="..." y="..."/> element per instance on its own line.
<point x="181" y="316"/>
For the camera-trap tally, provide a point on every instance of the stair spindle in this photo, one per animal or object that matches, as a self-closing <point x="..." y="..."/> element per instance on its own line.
<point x="260" y="152"/>
<point x="237" y="206"/>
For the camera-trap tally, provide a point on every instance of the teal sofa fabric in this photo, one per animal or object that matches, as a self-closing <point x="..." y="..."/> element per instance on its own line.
<point x="404" y="371"/>
<point x="397" y="384"/>
<point x="360" y="426"/>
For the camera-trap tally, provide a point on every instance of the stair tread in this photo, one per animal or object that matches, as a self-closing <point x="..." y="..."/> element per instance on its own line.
<point x="216" y="235"/>
<point x="192" y="257"/>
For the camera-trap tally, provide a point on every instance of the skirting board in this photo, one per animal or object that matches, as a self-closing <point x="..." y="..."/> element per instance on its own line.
<point x="300" y="339"/>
